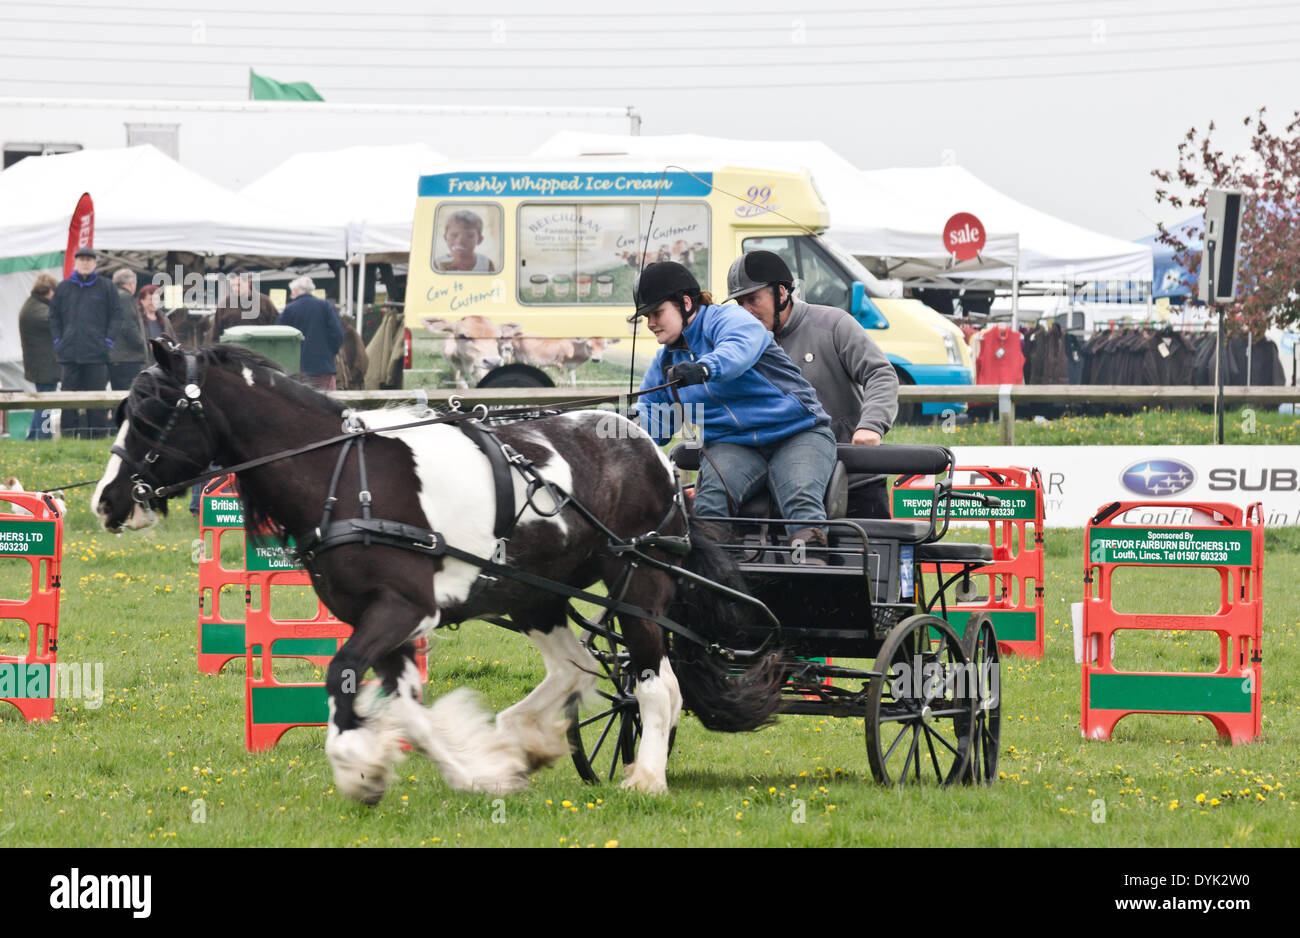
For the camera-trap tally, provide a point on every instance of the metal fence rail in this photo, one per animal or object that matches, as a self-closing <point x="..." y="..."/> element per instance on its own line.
<point x="1005" y="396"/>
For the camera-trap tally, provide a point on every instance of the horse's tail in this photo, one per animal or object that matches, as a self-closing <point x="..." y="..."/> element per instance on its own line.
<point x="725" y="698"/>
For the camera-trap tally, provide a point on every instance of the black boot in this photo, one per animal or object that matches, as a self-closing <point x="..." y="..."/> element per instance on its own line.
<point x="808" y="538"/>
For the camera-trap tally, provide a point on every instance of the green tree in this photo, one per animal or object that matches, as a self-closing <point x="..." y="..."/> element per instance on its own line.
<point x="1268" y="174"/>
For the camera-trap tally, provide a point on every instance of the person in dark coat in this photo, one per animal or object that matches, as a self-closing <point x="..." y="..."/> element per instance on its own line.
<point x="84" y="315"/>
<point x="322" y="332"/>
<point x="152" y="315"/>
<point x="243" y="305"/>
<point x="127" y="356"/>
<point x="39" y="364"/>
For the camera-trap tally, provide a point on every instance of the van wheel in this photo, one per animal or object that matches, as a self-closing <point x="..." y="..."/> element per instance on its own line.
<point x="516" y="376"/>
<point x="908" y="411"/>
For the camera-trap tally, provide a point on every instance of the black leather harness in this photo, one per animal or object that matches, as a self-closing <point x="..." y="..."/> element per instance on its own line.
<point x="505" y="461"/>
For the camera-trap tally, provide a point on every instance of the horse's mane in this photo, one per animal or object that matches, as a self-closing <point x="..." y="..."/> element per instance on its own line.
<point x="228" y="356"/>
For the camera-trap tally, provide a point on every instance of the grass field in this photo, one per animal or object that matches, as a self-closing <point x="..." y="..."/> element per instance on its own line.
<point x="161" y="762"/>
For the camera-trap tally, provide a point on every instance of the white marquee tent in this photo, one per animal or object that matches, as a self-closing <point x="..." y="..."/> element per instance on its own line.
<point x="898" y="215"/>
<point x="368" y="190"/>
<point x="145" y="202"/>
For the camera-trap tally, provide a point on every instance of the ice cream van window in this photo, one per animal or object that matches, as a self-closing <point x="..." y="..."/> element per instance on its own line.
<point x="467" y="238"/>
<point x="579" y="254"/>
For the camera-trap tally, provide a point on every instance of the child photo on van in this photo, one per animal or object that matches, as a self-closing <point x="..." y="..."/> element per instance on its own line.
<point x="463" y="234"/>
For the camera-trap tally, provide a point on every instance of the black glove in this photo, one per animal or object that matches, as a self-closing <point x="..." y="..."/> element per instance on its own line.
<point x="688" y="373"/>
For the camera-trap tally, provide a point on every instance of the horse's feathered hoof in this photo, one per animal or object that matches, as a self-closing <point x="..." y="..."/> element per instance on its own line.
<point x="644" y="782"/>
<point x="363" y="762"/>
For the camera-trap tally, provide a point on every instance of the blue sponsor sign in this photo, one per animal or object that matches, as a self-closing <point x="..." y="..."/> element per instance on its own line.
<point x="495" y="185"/>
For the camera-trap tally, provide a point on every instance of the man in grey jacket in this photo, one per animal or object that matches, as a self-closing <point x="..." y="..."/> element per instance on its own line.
<point x="854" y="380"/>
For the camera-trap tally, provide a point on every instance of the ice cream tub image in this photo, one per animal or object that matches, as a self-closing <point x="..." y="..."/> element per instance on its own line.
<point x="584" y="285"/>
<point x="560" y="283"/>
<point x="538" y="282"/>
<point x="605" y="285"/>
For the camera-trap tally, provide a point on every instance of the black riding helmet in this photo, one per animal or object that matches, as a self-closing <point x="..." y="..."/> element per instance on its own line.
<point x="755" y="270"/>
<point x="662" y="280"/>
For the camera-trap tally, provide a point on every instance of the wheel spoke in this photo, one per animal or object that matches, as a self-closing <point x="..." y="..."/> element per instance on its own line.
<point x="912" y="750"/>
<point x="934" y="759"/>
<point x="898" y="739"/>
<point x="932" y="734"/>
<point x="595" y="750"/>
<point x="600" y="716"/>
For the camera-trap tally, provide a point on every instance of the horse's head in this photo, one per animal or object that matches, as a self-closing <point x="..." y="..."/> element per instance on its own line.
<point x="164" y="436"/>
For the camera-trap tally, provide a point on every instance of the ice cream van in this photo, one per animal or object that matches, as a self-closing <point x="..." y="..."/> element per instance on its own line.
<point x="525" y="272"/>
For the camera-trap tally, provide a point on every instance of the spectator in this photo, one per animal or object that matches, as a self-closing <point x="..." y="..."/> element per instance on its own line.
<point x="127" y="356"/>
<point x="84" y="314"/>
<point x="156" y="323"/>
<point x="243" y="306"/>
<point x="39" y="365"/>
<point x="321" y="329"/>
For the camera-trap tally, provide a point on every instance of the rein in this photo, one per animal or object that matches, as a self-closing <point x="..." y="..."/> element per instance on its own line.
<point x="189" y="399"/>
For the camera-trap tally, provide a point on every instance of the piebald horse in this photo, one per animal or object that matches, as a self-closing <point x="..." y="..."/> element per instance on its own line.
<point x="227" y="406"/>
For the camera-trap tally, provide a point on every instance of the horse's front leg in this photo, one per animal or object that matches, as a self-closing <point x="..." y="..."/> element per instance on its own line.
<point x="657" y="693"/>
<point x="456" y="733"/>
<point x="361" y="748"/>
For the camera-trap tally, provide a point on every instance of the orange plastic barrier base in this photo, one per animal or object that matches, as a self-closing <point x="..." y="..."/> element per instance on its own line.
<point x="1220" y="537"/>
<point x="32" y="529"/>
<point x="1012" y="585"/>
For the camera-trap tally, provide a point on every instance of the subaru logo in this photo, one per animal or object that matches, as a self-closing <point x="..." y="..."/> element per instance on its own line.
<point x="1158" y="477"/>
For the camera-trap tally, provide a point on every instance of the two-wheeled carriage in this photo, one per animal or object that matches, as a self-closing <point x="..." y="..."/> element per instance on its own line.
<point x="931" y="699"/>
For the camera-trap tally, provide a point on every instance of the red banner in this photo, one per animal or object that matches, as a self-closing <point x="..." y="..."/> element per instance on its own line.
<point x="81" y="233"/>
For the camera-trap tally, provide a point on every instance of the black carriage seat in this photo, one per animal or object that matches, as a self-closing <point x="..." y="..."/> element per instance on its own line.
<point x="886" y="459"/>
<point x="761" y="504"/>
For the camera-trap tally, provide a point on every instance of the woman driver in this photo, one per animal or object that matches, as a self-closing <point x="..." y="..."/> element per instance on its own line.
<point x="760" y="419"/>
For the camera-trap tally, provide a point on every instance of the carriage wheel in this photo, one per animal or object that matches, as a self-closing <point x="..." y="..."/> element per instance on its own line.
<point x="604" y="740"/>
<point x="986" y="663"/>
<point x="920" y="711"/>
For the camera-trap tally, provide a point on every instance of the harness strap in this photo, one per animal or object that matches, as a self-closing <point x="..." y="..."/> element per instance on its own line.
<point x="408" y="537"/>
<point x="502" y="480"/>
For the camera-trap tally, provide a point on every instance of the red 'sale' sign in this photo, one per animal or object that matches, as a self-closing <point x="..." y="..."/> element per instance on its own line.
<point x="963" y="236"/>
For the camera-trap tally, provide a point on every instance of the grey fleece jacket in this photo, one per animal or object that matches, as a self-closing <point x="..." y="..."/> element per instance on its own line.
<point x="854" y="380"/>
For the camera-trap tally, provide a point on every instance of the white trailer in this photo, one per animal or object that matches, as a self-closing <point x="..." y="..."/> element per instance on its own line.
<point x="234" y="142"/>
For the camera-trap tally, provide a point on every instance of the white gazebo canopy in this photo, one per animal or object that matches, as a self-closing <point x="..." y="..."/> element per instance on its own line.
<point x="144" y="202"/>
<point x="897" y="216"/>
<point x="369" y="191"/>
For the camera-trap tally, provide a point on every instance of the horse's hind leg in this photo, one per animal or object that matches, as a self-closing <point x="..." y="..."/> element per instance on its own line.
<point x="538" y="723"/>
<point x="658" y="696"/>
<point x="455" y="734"/>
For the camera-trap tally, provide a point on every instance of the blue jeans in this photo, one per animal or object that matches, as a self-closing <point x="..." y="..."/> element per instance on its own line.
<point x="796" y="470"/>
<point x="39" y="429"/>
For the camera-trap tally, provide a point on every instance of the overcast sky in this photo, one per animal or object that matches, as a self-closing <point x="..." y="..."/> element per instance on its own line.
<point x="1063" y="104"/>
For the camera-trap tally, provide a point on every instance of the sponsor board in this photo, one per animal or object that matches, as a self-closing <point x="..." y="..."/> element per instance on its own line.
<point x="1078" y="480"/>
<point x="1019" y="505"/>
<point x="27" y="538"/>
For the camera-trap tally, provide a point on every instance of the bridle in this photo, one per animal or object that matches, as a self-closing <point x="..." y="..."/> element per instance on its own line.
<point x="145" y="485"/>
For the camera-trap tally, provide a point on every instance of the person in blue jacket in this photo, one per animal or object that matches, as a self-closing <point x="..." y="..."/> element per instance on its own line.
<point x="760" y="419"/>
<point x="322" y="333"/>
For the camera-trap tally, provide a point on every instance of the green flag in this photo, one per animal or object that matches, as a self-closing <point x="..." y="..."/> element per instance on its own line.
<point x="268" y="89"/>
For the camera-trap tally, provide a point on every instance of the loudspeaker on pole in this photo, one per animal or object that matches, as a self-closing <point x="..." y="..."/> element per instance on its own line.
<point x="1223" y="228"/>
